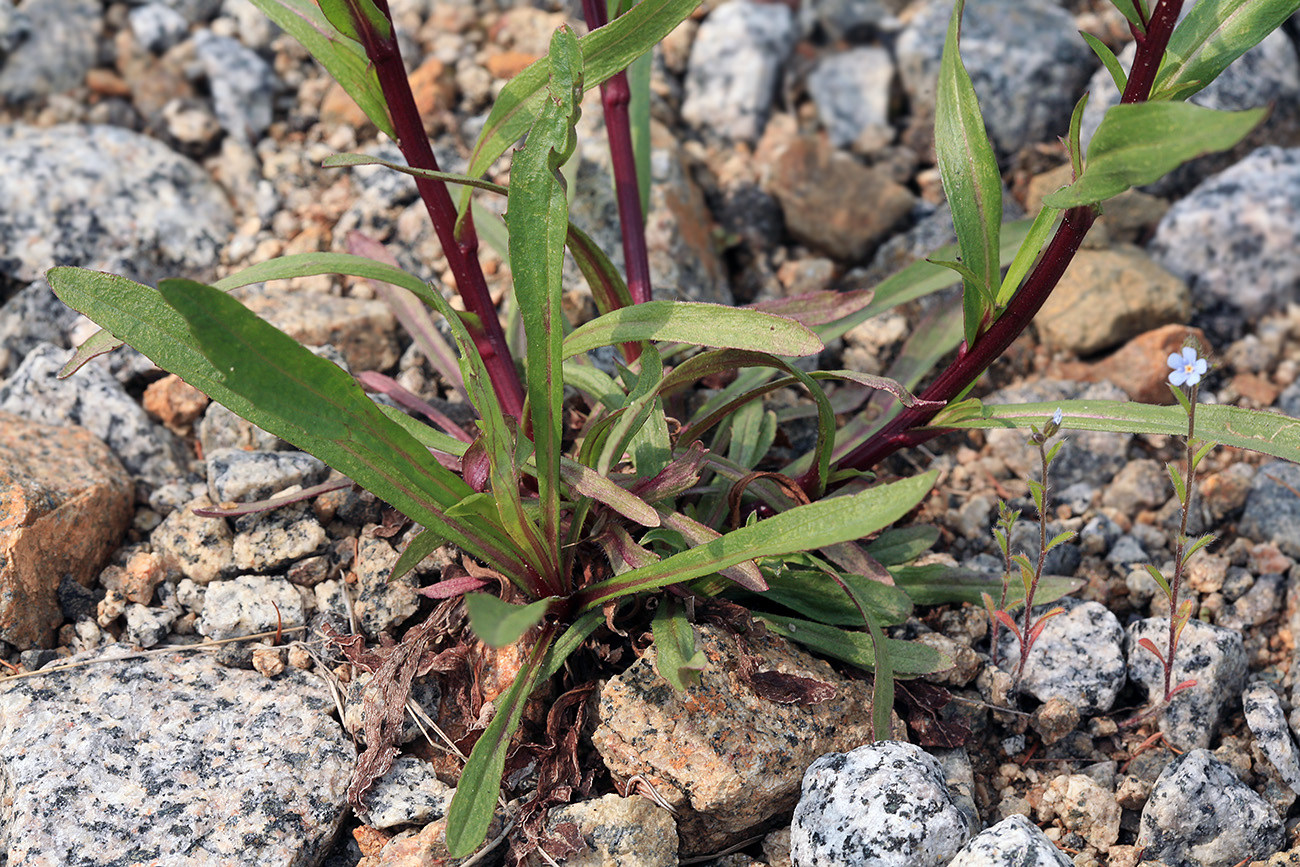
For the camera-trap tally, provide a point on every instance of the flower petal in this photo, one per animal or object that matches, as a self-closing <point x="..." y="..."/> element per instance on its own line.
<point x="1178" y="377"/>
<point x="1175" y="361"/>
<point x="1189" y="354"/>
<point x="1201" y="367"/>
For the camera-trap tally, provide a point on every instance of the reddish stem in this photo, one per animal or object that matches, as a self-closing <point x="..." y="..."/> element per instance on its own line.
<point x="461" y="250"/>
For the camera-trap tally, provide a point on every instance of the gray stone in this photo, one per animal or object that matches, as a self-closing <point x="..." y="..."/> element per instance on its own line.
<point x="147" y="626"/>
<point x="265" y="541"/>
<point x="1272" y="508"/>
<point x="200" y="547"/>
<point x="1127" y="551"/>
<point x="254" y="28"/>
<point x="1026" y="61"/>
<point x="196" y="11"/>
<point x="360" y="332"/>
<point x="235" y="475"/>
<point x="176" y="760"/>
<point x="381" y="604"/>
<point x="248" y="605"/>
<point x="1141" y="484"/>
<point x="95" y="400"/>
<point x="852" y="91"/>
<point x="1201" y="815"/>
<point x="1013" y="842"/>
<point x="880" y="805"/>
<point x="617" y="832"/>
<point x="47" y="47"/>
<point x="105" y="198"/>
<point x="1268" y="724"/>
<point x="845" y="19"/>
<point x="1079" y="657"/>
<point x="222" y="429"/>
<point x="1212" y="656"/>
<point x="1258" y="605"/>
<point x="1064" y="559"/>
<point x="1232" y="238"/>
<point x="158" y="26"/>
<point x="410" y="793"/>
<point x="243" y="85"/>
<point x="1103" y="530"/>
<point x="735" y="65"/>
<point x="425" y="692"/>
<point x="1289" y="400"/>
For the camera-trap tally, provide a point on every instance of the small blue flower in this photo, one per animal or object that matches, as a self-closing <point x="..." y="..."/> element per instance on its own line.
<point x="1187" y="368"/>
<point x="1057" y="416"/>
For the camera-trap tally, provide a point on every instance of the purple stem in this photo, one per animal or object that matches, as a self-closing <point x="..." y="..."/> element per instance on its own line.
<point x="461" y="251"/>
<point x="615" y="94"/>
<point x="901" y="431"/>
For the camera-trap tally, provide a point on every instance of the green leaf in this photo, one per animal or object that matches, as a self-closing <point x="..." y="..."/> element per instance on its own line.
<point x="937" y="584"/>
<point x="676" y="658"/>
<point x="1200" y="543"/>
<point x="538" y="219"/>
<point x="1138" y="143"/>
<point x="416" y="550"/>
<point x="337" y="161"/>
<point x="882" y="687"/>
<point x="1129" y="10"/>
<point x="605" y="51"/>
<point x="805" y="528"/>
<point x="1074" y="141"/>
<point x="608" y="288"/>
<point x="1201" y="452"/>
<point x="1158" y="577"/>
<point x="696" y="323"/>
<point x="815" y="595"/>
<point x="753" y="430"/>
<point x="900" y="545"/>
<point x="970" y="178"/>
<point x="638" y="110"/>
<point x="1176" y="476"/>
<point x="500" y="624"/>
<point x="1215" y="33"/>
<point x="1108" y="59"/>
<point x="97" y="344"/>
<point x="1040" y="232"/>
<point x="640" y="403"/>
<point x="1060" y="539"/>
<point x="909" y="658"/>
<point x="352" y="16"/>
<point x="269" y="379"/>
<point x="342" y="57"/>
<point x="1265" y="432"/>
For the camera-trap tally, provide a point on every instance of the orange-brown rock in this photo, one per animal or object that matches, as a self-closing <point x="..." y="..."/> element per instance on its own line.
<point x="1138" y="367"/>
<point x="508" y="64"/>
<point x="432" y="87"/>
<point x="65" y="502"/>
<point x="339" y="109"/>
<point x="175" y="403"/>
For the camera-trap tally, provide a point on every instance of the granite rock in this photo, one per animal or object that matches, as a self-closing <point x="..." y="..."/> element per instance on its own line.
<point x="362" y="693"/>
<point x="1257" y="606"/>
<point x="617" y="832"/>
<point x="1272" y="509"/>
<point x="1026" y="62"/>
<point x="849" y="20"/>
<point x="1013" y="842"/>
<point x="726" y="759"/>
<point x="243" y="85"/>
<point x="853" y="91"/>
<point x="1232" y="237"/>
<point x="202" y="548"/>
<point x="93" y="399"/>
<point x="1201" y="815"/>
<point x="1268" y="724"/>
<point x="1212" y="656"/>
<point x="49" y="46"/>
<point x="145" y="626"/>
<point x="176" y="760"/>
<point x="157" y="26"/>
<point x="879" y="805"/>
<point x="266" y="541"/>
<point x="235" y="475"/>
<point x="410" y="793"/>
<point x="1079" y="657"/>
<point x="1142" y="484"/>
<point x="222" y="429"/>
<point x="1084" y="806"/>
<point x="248" y="605"/>
<point x="381" y="604"/>
<point x="735" y="66"/>
<point x="1125" y="293"/>
<point x="65" y="502"/>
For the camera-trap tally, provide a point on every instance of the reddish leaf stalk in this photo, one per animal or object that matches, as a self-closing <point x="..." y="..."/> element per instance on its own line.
<point x="615" y="94"/>
<point x="461" y="250"/>
<point x="901" y="432"/>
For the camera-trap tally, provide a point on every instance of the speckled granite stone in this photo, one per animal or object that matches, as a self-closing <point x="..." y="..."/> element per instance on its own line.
<point x="725" y="758"/>
<point x="853" y="91"/>
<point x="880" y="805"/>
<point x="409" y="794"/>
<point x="170" y="760"/>
<point x="1272" y="509"/>
<point x="379" y="603"/>
<point x="424" y="691"/>
<point x="250" y="604"/>
<point x="65" y="502"/>
<point x="1013" y="842"/>
<point x="1079" y="657"/>
<point x="265" y="541"/>
<point x="1200" y="815"/>
<point x="1084" y="806"/>
<point x="1212" y="656"/>
<point x="237" y="475"/>
<point x="1026" y="61"/>
<point x="222" y="429"/>
<point x="93" y="399"/>
<point x="735" y="65"/>
<point x="202" y="548"/>
<point x="52" y="45"/>
<point x="618" y="832"/>
<point x="243" y="85"/>
<point x="1268" y="724"/>
<point x="1233" y="238"/>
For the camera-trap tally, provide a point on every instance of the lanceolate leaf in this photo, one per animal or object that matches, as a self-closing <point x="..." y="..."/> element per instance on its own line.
<point x="903" y="545"/>
<point x="1215" y="33"/>
<point x="690" y="322"/>
<point x="936" y="584"/>
<point x="307" y="400"/>
<point x="351" y="16"/>
<point x="1265" y="432"/>
<point x="970" y="177"/>
<point x="676" y="658"/>
<point x="837" y="519"/>
<point x="498" y="623"/>
<point x="416" y="550"/>
<point x="814" y="595"/>
<point x="1138" y="143"/>
<point x="909" y="658"/>
<point x="605" y="51"/>
<point x="342" y="57"/>
<point x="538" y="218"/>
<point x="1108" y="59"/>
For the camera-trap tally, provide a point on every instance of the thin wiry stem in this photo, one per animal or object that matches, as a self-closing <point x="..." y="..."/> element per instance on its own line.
<point x="1180" y="546"/>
